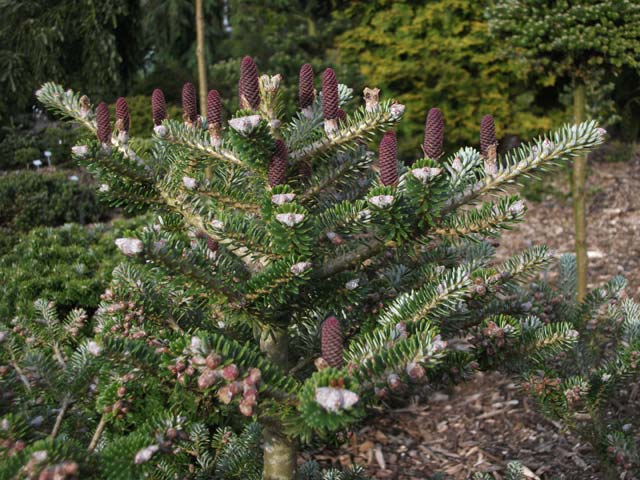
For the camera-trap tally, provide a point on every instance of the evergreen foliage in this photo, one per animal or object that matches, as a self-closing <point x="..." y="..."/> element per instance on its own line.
<point x="439" y="54"/>
<point x="571" y="39"/>
<point x="92" y="42"/>
<point x="69" y="265"/>
<point x="218" y="313"/>
<point x="30" y="199"/>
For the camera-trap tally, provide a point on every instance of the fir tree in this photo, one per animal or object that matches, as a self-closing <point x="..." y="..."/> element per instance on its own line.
<point x="295" y="300"/>
<point x="584" y="41"/>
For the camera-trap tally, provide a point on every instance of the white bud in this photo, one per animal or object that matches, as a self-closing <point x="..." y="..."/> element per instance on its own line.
<point x="80" y="150"/>
<point x="217" y="224"/>
<point x="245" y="125"/>
<point x="104" y="188"/>
<point x="93" y="348"/>
<point x="282" y="198"/>
<point x="601" y="132"/>
<point x="290" y="219"/>
<point x="606" y="377"/>
<point x="129" y="246"/>
<point x="352" y="284"/>
<point x="3" y="336"/>
<point x="189" y="183"/>
<point x="381" y="201"/>
<point x="160" y="130"/>
<point x="40" y="456"/>
<point x="335" y="399"/>
<point x="145" y="454"/>
<point x="300" y="267"/>
<point x="516" y="208"/>
<point x="396" y="110"/>
<point x="573" y="334"/>
<point x="425" y="174"/>
<point x="457" y="164"/>
<point x="196" y="345"/>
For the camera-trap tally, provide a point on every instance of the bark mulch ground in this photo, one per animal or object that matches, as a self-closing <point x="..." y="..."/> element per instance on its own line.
<point x="478" y="426"/>
<point x="485" y="423"/>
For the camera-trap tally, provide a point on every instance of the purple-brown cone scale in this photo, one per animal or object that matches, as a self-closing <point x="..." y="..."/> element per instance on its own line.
<point x="433" y="134"/>
<point x="158" y="107"/>
<point x="122" y="114"/>
<point x="306" y="92"/>
<point x="487" y="133"/>
<point x="214" y="108"/>
<point x="103" y="120"/>
<point x="278" y="164"/>
<point x="388" y="159"/>
<point x="330" y="105"/>
<point x="189" y="102"/>
<point x="331" y="341"/>
<point x="249" y="86"/>
<point x="342" y="116"/>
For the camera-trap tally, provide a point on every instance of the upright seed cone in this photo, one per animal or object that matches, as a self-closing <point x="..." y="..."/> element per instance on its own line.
<point x="103" y="119"/>
<point x="158" y="107"/>
<point x="278" y="165"/>
<point x="388" y="159"/>
<point x="332" y="342"/>
<point x="249" y="86"/>
<point x="433" y="134"/>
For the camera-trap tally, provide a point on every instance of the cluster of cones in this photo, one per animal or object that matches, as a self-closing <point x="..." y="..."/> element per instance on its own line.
<point x="249" y="94"/>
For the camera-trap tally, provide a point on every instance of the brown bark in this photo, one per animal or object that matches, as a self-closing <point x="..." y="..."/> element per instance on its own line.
<point x="279" y="451"/>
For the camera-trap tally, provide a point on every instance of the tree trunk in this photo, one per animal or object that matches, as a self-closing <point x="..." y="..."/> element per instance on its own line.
<point x="579" y="187"/>
<point x="279" y="452"/>
<point x="202" y="66"/>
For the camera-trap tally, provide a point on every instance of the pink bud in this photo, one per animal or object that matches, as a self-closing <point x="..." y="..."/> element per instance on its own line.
<point x="256" y="375"/>
<point x="225" y="394"/>
<point x="416" y="371"/>
<point x="250" y="395"/>
<point x="213" y="360"/>
<point x="230" y="372"/>
<point x="208" y="378"/>
<point x="246" y="409"/>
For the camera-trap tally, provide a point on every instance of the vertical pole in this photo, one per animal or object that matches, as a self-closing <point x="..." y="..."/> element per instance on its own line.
<point x="202" y="67"/>
<point x="579" y="187"/>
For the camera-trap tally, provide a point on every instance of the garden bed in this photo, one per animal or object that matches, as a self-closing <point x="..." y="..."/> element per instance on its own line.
<point x="487" y="422"/>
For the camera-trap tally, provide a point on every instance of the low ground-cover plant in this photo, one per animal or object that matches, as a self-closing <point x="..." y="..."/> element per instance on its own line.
<point x="69" y="265"/>
<point x="291" y="276"/>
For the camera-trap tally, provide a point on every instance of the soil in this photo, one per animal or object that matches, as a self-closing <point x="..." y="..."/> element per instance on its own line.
<point x="482" y="425"/>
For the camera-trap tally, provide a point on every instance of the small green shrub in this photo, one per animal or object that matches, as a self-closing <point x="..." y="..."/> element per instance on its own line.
<point x="23" y="157"/>
<point x="18" y="149"/>
<point x="30" y="199"/>
<point x="11" y="144"/>
<point x="70" y="265"/>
